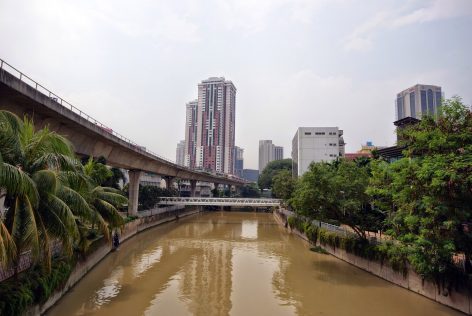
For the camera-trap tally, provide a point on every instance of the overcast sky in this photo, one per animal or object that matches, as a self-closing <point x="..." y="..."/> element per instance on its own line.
<point x="134" y="64"/>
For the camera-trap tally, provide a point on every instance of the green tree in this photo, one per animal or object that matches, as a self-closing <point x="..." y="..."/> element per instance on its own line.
<point x="428" y="193"/>
<point x="30" y="175"/>
<point x="266" y="176"/>
<point x="283" y="184"/>
<point x="149" y="196"/>
<point x="336" y="191"/>
<point x="250" y="191"/>
<point x="49" y="195"/>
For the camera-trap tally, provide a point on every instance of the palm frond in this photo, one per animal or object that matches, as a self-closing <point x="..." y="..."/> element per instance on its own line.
<point x="45" y="243"/>
<point x="46" y="181"/>
<point x="55" y="161"/>
<point x="77" y="203"/>
<point x="44" y="143"/>
<point x="12" y="120"/>
<point x="109" y="213"/>
<point x="64" y="215"/>
<point x="21" y="222"/>
<point x="7" y="246"/>
<point x="116" y="199"/>
<point x="17" y="182"/>
<point x="76" y="180"/>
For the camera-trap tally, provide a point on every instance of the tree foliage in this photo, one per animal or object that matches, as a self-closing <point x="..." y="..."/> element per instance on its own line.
<point x="49" y="195"/>
<point x="250" y="191"/>
<point x="428" y="193"/>
<point x="149" y="196"/>
<point x="337" y="191"/>
<point x="283" y="184"/>
<point x="266" y="176"/>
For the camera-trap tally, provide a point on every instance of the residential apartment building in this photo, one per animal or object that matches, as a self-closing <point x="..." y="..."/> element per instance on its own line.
<point x="418" y="101"/>
<point x="210" y="127"/>
<point x="315" y="144"/>
<point x="180" y="153"/>
<point x="269" y="152"/>
<point x="190" y="133"/>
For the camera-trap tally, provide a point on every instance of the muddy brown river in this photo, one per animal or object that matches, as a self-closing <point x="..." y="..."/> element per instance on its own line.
<point x="233" y="263"/>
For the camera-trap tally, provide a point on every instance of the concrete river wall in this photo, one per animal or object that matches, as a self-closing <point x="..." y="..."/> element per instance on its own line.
<point x="461" y="301"/>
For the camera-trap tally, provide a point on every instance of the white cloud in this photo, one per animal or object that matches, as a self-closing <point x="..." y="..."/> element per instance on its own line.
<point x="148" y="19"/>
<point x="361" y="39"/>
<point x="253" y="16"/>
<point x="439" y="10"/>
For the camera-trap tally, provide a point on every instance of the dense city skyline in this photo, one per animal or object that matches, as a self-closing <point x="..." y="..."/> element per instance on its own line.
<point x="134" y="68"/>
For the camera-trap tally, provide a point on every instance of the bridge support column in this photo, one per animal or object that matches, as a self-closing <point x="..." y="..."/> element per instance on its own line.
<point x="133" y="189"/>
<point x="169" y="182"/>
<point x="193" y="187"/>
<point x="216" y="189"/>
<point x="237" y="190"/>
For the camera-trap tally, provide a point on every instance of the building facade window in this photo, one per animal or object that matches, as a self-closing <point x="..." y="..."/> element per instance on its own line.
<point x="430" y="102"/>
<point x="412" y="105"/>
<point x="400" y="113"/>
<point x="424" y="106"/>
<point x="438" y="100"/>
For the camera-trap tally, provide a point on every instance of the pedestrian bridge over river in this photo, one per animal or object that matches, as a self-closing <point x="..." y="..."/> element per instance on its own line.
<point x="218" y="201"/>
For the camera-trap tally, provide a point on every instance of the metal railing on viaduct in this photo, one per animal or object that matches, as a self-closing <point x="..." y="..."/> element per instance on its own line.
<point x="218" y="201"/>
<point x="24" y="96"/>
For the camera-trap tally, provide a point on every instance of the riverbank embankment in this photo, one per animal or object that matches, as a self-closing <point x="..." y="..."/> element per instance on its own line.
<point x="459" y="300"/>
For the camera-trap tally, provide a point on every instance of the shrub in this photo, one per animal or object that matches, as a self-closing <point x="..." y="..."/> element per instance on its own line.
<point x="33" y="286"/>
<point x="395" y="254"/>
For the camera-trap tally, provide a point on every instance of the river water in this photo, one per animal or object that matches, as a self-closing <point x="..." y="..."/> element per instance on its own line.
<point x="232" y="263"/>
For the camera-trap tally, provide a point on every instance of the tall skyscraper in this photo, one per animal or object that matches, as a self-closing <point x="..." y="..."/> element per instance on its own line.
<point x="238" y="161"/>
<point x="190" y="133"/>
<point x="315" y="144"/>
<point x="180" y="153"/>
<point x="269" y="152"/>
<point x="210" y="126"/>
<point x="417" y="101"/>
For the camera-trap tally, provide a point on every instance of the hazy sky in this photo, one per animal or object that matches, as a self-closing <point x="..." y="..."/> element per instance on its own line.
<point x="134" y="64"/>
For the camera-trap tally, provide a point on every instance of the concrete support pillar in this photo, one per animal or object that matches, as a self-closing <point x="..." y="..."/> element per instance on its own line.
<point x="169" y="181"/>
<point x="133" y="189"/>
<point x="193" y="187"/>
<point x="237" y="190"/>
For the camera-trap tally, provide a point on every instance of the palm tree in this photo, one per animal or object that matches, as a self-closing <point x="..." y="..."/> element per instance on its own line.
<point x="92" y="203"/>
<point x="48" y="194"/>
<point x="29" y="173"/>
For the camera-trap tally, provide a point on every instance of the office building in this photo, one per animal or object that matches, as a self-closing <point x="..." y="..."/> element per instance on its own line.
<point x="180" y="153"/>
<point x="315" y="144"/>
<point x="278" y="153"/>
<point x="418" y="101"/>
<point x="269" y="152"/>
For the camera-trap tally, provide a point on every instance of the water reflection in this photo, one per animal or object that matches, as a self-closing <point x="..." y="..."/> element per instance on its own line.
<point x="232" y="264"/>
<point x="249" y="229"/>
<point x="111" y="287"/>
<point x="147" y="260"/>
